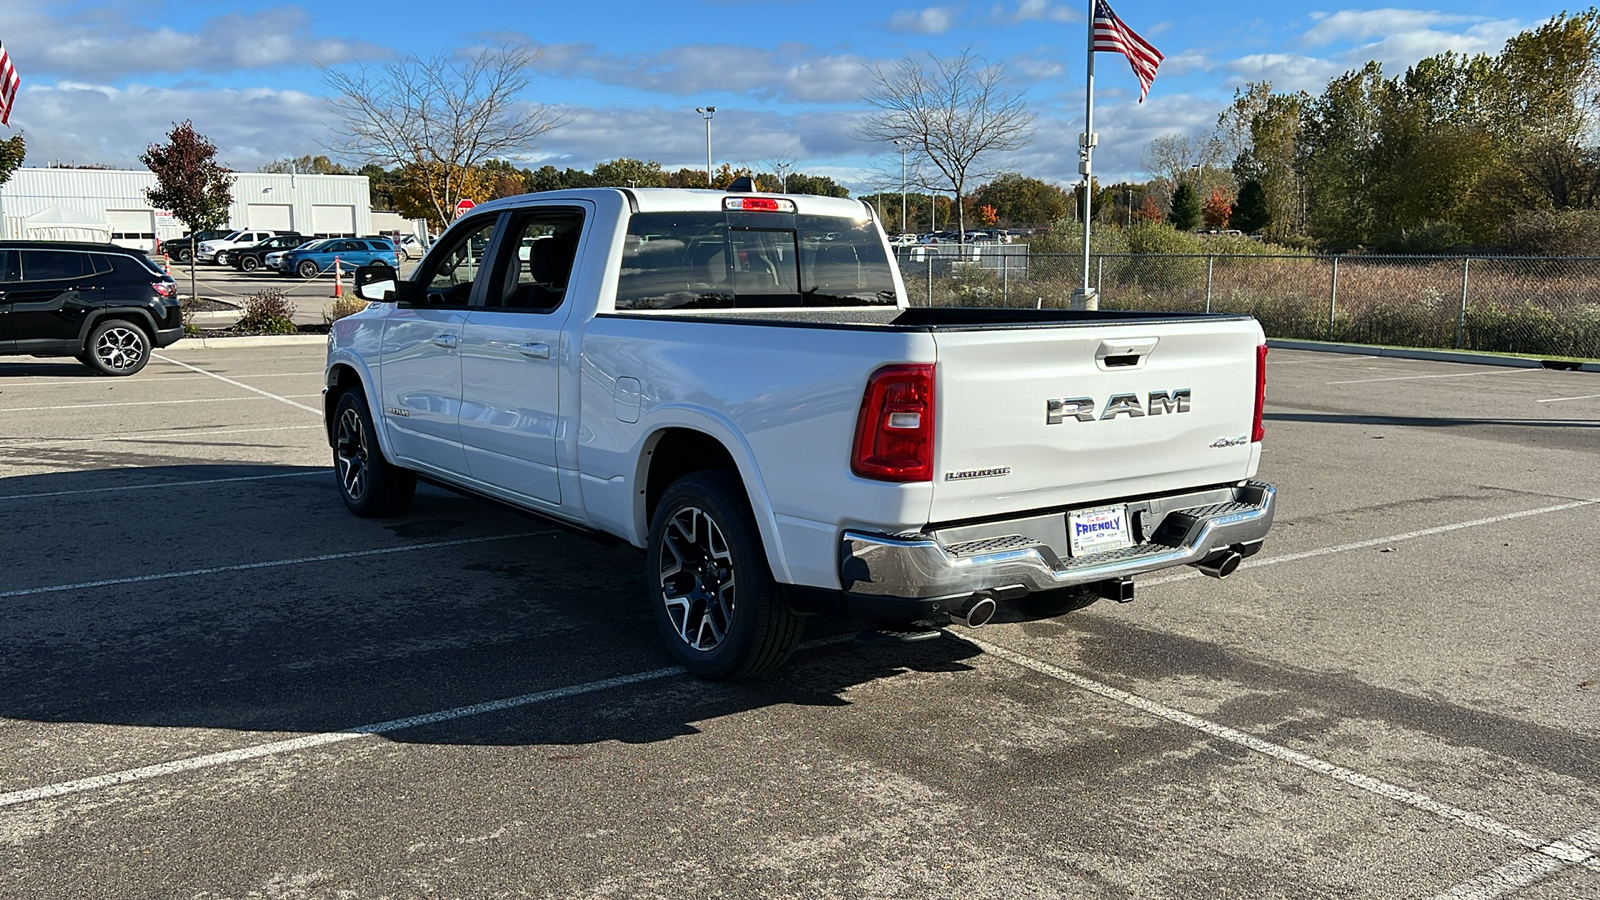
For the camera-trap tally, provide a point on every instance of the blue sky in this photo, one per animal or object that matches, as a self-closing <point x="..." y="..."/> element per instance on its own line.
<point x="101" y="80"/>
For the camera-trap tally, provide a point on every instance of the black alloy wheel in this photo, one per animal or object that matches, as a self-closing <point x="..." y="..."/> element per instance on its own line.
<point x="370" y="485"/>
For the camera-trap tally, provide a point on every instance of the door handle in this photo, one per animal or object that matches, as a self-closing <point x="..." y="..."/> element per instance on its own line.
<point x="535" y="351"/>
<point x="447" y="341"/>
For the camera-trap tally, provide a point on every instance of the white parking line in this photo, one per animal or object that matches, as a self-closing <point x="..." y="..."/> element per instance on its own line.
<point x="238" y="384"/>
<point x="163" y="484"/>
<point x="1378" y="542"/>
<point x="1565" y="399"/>
<point x="210" y="760"/>
<point x="265" y="564"/>
<point x="148" y="379"/>
<point x="143" y="403"/>
<point x="1529" y="869"/>
<point x="193" y="432"/>
<point x="1559" y="851"/>
<point x="1453" y="375"/>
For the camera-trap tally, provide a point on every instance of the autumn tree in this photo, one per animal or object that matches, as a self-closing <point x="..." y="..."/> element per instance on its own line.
<point x="1020" y="200"/>
<point x="441" y="118"/>
<point x="306" y="165"/>
<point x="190" y="183"/>
<point x="12" y="151"/>
<point x="955" y="112"/>
<point x="1148" y="211"/>
<point x="626" y="172"/>
<point x="1217" y="208"/>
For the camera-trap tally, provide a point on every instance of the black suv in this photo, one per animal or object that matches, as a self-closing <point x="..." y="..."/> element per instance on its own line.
<point x="107" y="305"/>
<point x="181" y="250"/>
<point x="254" y="257"/>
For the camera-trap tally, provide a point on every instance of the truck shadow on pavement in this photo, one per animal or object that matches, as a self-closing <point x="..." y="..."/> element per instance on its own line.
<point x="245" y="597"/>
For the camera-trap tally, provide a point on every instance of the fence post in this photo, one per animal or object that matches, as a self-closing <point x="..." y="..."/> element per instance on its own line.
<point x="928" y="258"/>
<point x="1210" y="261"/>
<point x="1005" y="279"/>
<point x="1333" y="296"/>
<point x="1099" y="274"/>
<point x="1461" y="320"/>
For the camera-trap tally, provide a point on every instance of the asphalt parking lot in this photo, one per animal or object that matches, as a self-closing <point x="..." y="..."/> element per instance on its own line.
<point x="214" y="682"/>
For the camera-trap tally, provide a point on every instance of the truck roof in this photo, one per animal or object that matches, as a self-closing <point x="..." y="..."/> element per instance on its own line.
<point x="689" y="200"/>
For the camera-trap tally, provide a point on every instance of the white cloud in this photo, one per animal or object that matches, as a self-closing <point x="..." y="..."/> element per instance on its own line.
<point x="110" y="48"/>
<point x="92" y="124"/>
<point x="788" y="72"/>
<point x="1287" y="71"/>
<point x="929" y="20"/>
<point x="1035" y="11"/>
<point x="1357" y="25"/>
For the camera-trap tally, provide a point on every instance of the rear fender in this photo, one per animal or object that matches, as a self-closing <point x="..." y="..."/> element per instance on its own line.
<point x="666" y="417"/>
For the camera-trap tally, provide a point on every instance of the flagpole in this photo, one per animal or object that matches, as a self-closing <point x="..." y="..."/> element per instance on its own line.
<point x="1085" y="298"/>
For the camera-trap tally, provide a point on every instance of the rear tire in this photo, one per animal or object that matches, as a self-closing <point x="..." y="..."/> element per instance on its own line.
<point x="714" y="598"/>
<point x="370" y="485"/>
<point x="116" y="347"/>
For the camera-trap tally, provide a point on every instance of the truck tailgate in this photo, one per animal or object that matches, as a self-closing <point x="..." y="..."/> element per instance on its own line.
<point x="1141" y="409"/>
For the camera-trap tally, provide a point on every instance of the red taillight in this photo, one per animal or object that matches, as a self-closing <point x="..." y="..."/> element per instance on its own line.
<point x="757" y="204"/>
<point x="1257" y="432"/>
<point x="894" y="433"/>
<point x="164" y="289"/>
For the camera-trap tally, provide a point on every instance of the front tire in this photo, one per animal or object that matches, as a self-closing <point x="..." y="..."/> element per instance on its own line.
<point x="309" y="269"/>
<point x="116" y="347"/>
<point x="370" y="485"/>
<point x="221" y="258"/>
<point x="715" y="601"/>
<point x="249" y="263"/>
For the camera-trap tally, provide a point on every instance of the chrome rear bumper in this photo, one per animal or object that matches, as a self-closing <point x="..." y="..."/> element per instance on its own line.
<point x="1171" y="534"/>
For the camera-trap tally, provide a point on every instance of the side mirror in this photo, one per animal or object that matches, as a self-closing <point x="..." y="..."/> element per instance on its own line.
<point x="375" y="283"/>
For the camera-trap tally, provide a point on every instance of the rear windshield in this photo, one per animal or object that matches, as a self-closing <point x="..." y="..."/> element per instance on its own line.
<point x="751" y="261"/>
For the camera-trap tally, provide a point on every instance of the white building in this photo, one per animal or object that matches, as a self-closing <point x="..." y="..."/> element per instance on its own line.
<point x="89" y="204"/>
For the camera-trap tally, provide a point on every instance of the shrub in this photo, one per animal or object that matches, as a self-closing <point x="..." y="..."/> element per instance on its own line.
<point x="1424" y="239"/>
<point x="267" y="312"/>
<point x="1551" y="233"/>
<point x="344" y="306"/>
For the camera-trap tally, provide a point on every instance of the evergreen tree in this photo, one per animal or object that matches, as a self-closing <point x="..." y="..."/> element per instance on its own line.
<point x="1185" y="214"/>
<point x="1250" y="213"/>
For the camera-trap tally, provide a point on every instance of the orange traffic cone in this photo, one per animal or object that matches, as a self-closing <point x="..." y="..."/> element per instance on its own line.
<point x="338" y="279"/>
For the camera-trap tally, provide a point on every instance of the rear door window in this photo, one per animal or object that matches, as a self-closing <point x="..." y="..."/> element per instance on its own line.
<point x="536" y="259"/>
<point x="52" y="265"/>
<point x="751" y="260"/>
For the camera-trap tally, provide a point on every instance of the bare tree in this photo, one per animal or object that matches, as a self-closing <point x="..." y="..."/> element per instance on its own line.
<point x="955" y="112"/>
<point x="437" y="118"/>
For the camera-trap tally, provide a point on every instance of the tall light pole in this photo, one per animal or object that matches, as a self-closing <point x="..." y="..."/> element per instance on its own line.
<point x="783" y="175"/>
<point x="904" y="144"/>
<point x="706" y="112"/>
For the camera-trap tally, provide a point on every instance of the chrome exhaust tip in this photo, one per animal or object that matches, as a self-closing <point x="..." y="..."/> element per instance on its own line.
<point x="1221" y="565"/>
<point x="975" y="613"/>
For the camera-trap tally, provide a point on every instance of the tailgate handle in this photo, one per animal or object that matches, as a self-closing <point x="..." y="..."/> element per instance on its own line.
<point x="1124" y="354"/>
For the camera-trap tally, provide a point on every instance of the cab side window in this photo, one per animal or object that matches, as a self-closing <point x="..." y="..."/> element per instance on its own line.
<point x="453" y="269"/>
<point x="10" y="266"/>
<point x="536" y="260"/>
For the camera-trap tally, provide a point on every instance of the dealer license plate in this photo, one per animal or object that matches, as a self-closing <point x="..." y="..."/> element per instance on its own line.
<point x="1098" y="530"/>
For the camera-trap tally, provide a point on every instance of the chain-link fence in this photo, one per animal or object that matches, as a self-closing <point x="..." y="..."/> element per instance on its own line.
<point x="1538" y="305"/>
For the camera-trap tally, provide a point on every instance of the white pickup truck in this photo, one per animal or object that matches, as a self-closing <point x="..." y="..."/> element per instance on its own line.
<point x="735" y="383"/>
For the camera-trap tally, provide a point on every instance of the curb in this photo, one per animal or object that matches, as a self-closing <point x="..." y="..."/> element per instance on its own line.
<point x="246" y="341"/>
<point x="1481" y="359"/>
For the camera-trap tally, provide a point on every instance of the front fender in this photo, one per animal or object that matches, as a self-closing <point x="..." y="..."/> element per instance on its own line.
<point x="336" y="382"/>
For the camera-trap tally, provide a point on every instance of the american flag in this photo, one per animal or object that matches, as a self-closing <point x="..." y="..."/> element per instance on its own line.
<point x="8" y="85"/>
<point x="1111" y="36"/>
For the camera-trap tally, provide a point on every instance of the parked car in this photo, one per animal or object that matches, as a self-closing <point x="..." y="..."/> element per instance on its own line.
<point x="409" y="247"/>
<point x="250" y="259"/>
<point x="762" y="411"/>
<point x="182" y="249"/>
<point x="107" y="305"/>
<point x="216" y="251"/>
<point x="315" y="258"/>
